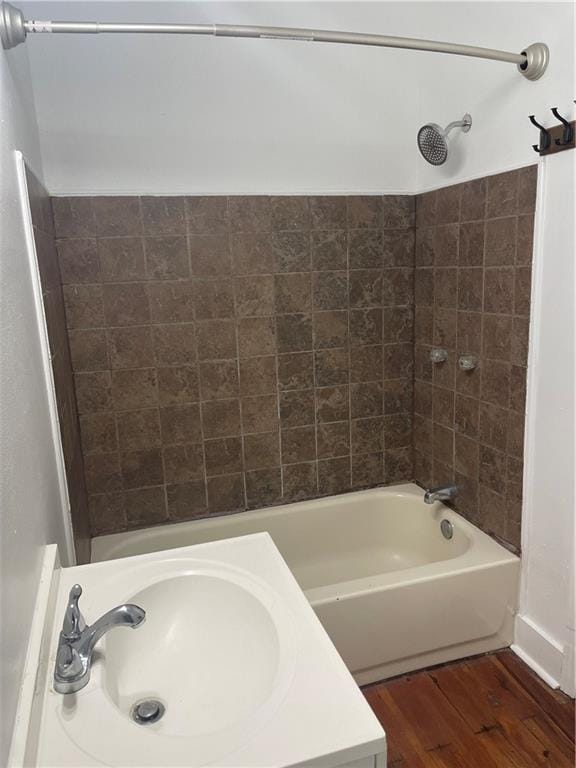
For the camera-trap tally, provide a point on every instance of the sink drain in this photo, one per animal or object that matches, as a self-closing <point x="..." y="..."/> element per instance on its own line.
<point x="147" y="712"/>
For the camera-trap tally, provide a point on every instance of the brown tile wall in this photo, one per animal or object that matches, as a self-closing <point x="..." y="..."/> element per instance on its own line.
<point x="472" y="294"/>
<point x="232" y="353"/>
<point x="52" y="295"/>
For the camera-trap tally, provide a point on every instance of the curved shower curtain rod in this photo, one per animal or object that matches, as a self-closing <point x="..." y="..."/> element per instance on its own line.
<point x="531" y="62"/>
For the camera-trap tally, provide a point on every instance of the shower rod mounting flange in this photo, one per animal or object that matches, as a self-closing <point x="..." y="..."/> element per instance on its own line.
<point x="537" y="58"/>
<point x="531" y="62"/>
<point x="12" y="30"/>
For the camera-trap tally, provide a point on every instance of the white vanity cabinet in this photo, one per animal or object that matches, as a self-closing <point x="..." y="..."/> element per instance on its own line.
<point x="230" y="646"/>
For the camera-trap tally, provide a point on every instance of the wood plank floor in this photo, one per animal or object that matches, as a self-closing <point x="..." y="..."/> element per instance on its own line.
<point x="486" y="712"/>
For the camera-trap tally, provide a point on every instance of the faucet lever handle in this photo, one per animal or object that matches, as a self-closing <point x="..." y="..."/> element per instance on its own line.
<point x="73" y="624"/>
<point x="68" y="661"/>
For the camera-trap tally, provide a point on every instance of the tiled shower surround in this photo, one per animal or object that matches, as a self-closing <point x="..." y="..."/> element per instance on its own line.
<point x="472" y="294"/>
<point x="236" y="352"/>
<point x="232" y="353"/>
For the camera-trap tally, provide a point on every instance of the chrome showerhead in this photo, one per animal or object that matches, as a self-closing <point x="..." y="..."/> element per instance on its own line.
<point x="432" y="144"/>
<point x="433" y="140"/>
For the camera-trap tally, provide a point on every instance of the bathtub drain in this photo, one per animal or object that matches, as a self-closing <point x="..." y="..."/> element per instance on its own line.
<point x="447" y="529"/>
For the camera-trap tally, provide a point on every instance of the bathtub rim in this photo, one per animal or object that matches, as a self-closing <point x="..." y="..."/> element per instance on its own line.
<point x="482" y="551"/>
<point x="107" y="542"/>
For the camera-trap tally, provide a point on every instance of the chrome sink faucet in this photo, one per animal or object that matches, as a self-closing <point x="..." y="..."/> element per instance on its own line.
<point x="77" y="640"/>
<point x="441" y="493"/>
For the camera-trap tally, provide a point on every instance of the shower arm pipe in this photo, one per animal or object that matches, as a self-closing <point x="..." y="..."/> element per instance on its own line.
<point x="531" y="62"/>
<point x="465" y="123"/>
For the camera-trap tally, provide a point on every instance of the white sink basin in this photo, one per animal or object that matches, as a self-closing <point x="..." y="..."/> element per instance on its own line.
<point x="231" y="649"/>
<point x="200" y="630"/>
<point x="216" y="650"/>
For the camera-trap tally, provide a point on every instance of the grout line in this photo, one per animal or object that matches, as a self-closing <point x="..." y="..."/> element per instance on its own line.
<point x="413" y="377"/>
<point x="200" y="409"/>
<point x="314" y="372"/>
<point x="383" y="345"/>
<point x="237" y="342"/>
<point x="349" y="355"/>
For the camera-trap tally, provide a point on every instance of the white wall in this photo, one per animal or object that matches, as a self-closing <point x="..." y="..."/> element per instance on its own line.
<point x="30" y="514"/>
<point x="545" y="626"/>
<point x="121" y="114"/>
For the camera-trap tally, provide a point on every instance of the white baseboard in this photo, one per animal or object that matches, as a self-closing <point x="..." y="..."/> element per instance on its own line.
<point x="540" y="651"/>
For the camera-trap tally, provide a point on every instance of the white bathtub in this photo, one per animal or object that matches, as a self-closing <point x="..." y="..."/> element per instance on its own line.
<point x="391" y="591"/>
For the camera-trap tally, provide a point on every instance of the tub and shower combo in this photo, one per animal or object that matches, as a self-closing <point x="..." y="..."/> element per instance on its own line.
<point x="391" y="590"/>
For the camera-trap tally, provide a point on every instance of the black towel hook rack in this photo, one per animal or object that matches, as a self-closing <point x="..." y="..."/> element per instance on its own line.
<point x="555" y="138"/>
<point x="568" y="132"/>
<point x="545" y="138"/>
